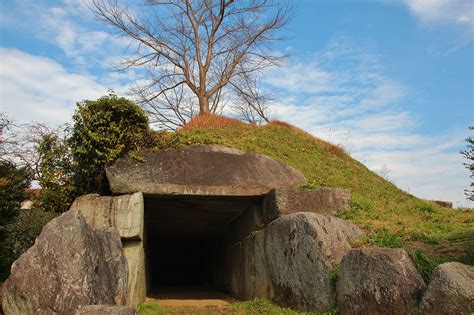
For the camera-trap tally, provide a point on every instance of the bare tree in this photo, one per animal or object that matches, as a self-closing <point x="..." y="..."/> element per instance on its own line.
<point x="250" y="105"/>
<point x="468" y="154"/>
<point x="19" y="142"/>
<point x="194" y="50"/>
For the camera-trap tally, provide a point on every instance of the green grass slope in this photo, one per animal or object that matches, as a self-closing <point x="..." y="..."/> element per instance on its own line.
<point x="390" y="216"/>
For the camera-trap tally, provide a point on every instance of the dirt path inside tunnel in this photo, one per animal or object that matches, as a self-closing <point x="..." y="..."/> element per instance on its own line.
<point x="183" y="297"/>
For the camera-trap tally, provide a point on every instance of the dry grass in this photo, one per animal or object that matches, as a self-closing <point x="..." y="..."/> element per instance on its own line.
<point x="331" y="148"/>
<point x="212" y="121"/>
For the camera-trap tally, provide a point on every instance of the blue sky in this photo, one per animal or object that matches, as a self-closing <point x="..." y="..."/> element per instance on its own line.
<point x="391" y="81"/>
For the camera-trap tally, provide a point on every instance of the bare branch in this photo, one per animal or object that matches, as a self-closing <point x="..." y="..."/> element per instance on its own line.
<point x="206" y="45"/>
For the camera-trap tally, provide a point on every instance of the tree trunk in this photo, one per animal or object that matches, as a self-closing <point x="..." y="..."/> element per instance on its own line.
<point x="203" y="105"/>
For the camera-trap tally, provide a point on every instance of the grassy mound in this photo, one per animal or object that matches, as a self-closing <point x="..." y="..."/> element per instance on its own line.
<point x="390" y="216"/>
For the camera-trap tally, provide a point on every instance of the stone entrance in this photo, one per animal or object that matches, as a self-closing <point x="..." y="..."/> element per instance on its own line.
<point x="222" y="219"/>
<point x="185" y="238"/>
<point x="186" y="223"/>
<point x="219" y="219"/>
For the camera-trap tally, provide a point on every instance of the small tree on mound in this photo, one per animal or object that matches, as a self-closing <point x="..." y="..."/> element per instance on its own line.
<point x="469" y="155"/>
<point x="103" y="131"/>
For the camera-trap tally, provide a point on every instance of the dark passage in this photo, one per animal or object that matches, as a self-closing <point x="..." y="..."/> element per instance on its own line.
<point x="177" y="261"/>
<point x="185" y="238"/>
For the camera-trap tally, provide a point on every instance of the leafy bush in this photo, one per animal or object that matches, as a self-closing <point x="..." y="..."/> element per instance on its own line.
<point x="103" y="131"/>
<point x="57" y="169"/>
<point x="19" y="236"/>
<point x="13" y="184"/>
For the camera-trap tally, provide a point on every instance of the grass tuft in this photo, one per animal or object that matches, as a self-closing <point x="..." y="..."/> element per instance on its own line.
<point x="383" y="238"/>
<point x="333" y="275"/>
<point x="263" y="307"/>
<point x="254" y="307"/>
<point x="424" y="264"/>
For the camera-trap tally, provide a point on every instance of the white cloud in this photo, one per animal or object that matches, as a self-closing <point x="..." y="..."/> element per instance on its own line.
<point x="445" y="11"/>
<point x="365" y="111"/>
<point x="70" y="26"/>
<point x="35" y="88"/>
<point x="302" y="77"/>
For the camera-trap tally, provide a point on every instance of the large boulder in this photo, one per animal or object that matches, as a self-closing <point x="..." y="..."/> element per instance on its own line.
<point x="378" y="281"/>
<point x="125" y="213"/>
<point x="201" y="170"/>
<point x="301" y="250"/>
<point x="451" y="290"/>
<point x="70" y="265"/>
<point x="283" y="201"/>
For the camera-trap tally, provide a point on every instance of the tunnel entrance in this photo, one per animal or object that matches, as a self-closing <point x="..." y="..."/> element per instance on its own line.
<point x="185" y="240"/>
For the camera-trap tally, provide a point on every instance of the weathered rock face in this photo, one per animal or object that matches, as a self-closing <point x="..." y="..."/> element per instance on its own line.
<point x="135" y="257"/>
<point x="282" y="201"/>
<point x="105" y="310"/>
<point x="301" y="249"/>
<point x="289" y="261"/>
<point x="451" y="290"/>
<point x="378" y="281"/>
<point x="125" y="213"/>
<point x="246" y="223"/>
<point x="69" y="265"/>
<point x="249" y="275"/>
<point x="201" y="170"/>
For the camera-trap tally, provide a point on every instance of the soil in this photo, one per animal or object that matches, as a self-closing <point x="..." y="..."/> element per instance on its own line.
<point x="190" y="297"/>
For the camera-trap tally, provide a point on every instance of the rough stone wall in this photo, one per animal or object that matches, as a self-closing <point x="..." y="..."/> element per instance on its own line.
<point x="283" y="201"/>
<point x="284" y="251"/>
<point x="126" y="214"/>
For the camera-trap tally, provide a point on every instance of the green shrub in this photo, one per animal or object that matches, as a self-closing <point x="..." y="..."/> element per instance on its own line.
<point x="19" y="236"/>
<point x="13" y="184"/>
<point x="56" y="169"/>
<point x="103" y="131"/>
